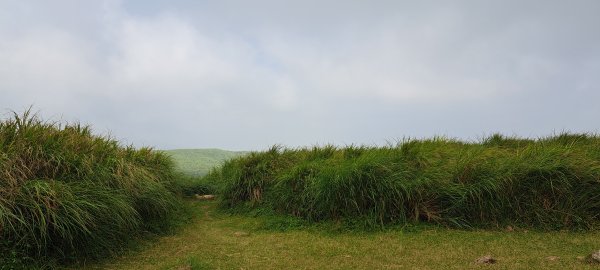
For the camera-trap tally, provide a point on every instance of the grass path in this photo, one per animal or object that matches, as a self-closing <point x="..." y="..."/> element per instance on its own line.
<point x="218" y="241"/>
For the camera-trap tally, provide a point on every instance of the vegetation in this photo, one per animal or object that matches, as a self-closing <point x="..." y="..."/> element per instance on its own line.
<point x="189" y="186"/>
<point x="547" y="183"/>
<point x="198" y="162"/>
<point x="191" y="164"/>
<point x="66" y="194"/>
<point x="216" y="240"/>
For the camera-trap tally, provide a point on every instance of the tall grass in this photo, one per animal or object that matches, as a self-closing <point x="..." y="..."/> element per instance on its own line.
<point x="546" y="183"/>
<point x="66" y="193"/>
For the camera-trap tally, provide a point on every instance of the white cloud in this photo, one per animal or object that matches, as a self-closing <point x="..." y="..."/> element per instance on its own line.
<point x="46" y="66"/>
<point x="167" y="52"/>
<point x="241" y="75"/>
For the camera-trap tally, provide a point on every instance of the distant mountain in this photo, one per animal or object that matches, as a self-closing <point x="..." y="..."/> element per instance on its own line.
<point x="198" y="162"/>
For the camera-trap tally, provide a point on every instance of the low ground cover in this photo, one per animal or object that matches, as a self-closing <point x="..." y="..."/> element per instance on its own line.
<point x="217" y="240"/>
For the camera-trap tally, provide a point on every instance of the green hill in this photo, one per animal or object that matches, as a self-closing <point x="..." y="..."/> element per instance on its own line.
<point x="198" y="162"/>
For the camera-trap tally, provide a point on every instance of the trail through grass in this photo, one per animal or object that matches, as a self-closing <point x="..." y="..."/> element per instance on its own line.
<point x="215" y="240"/>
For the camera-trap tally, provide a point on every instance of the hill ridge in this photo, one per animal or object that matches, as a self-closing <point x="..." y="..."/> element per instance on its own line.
<point x="199" y="161"/>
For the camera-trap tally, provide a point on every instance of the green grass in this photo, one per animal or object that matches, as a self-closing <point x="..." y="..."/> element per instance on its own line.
<point x="199" y="162"/>
<point x="549" y="183"/>
<point x="213" y="241"/>
<point x="68" y="195"/>
<point x="255" y="232"/>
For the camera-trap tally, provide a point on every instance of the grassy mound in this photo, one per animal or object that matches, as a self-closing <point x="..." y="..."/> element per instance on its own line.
<point x="548" y="183"/>
<point x="67" y="194"/>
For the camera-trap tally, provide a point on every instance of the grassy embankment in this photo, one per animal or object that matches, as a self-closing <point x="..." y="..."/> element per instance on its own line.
<point x="548" y="183"/>
<point x="67" y="195"/>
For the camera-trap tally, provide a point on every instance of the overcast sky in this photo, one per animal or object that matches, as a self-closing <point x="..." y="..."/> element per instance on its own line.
<point x="244" y="75"/>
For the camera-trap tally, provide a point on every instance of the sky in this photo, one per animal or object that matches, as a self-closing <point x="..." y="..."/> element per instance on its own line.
<point x="245" y="75"/>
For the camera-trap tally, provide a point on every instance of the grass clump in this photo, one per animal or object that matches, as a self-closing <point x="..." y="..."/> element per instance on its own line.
<point x="66" y="194"/>
<point x="547" y="183"/>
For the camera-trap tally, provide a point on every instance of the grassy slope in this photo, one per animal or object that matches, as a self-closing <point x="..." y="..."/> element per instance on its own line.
<point x="209" y="242"/>
<point x="198" y="162"/>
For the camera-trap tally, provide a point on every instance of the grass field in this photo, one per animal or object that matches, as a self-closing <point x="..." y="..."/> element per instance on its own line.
<point x="198" y="162"/>
<point x="214" y="240"/>
<point x="430" y="204"/>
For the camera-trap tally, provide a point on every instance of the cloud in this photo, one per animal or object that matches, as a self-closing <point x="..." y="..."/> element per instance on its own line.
<point x="239" y="75"/>
<point x="47" y="65"/>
